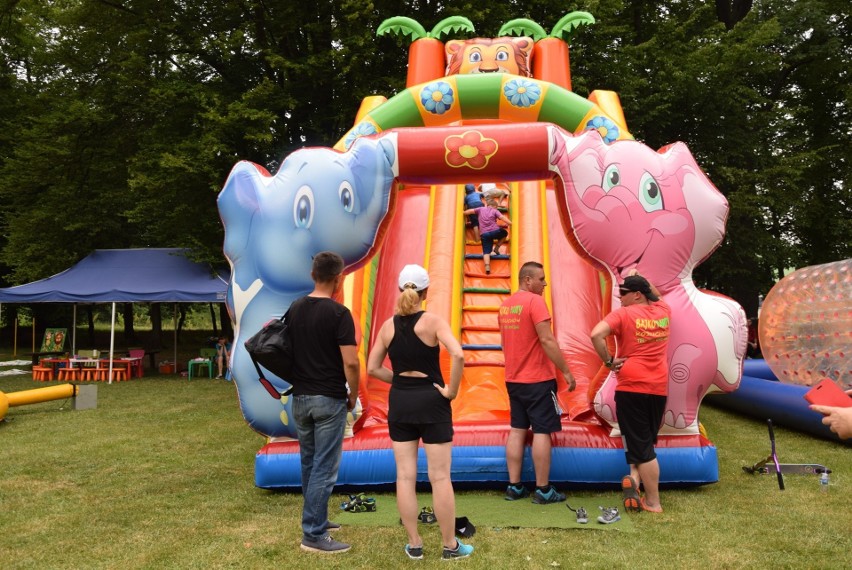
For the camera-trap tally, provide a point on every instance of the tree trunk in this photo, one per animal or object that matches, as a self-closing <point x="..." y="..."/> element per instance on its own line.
<point x="182" y="319"/>
<point x="90" y="320"/>
<point x="213" y="319"/>
<point x="129" y="330"/>
<point x="225" y="319"/>
<point x="156" y="325"/>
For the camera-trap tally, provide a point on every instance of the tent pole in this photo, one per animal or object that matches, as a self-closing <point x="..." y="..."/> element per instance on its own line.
<point x="111" y="341"/>
<point x="175" y="327"/>
<point x="74" y="332"/>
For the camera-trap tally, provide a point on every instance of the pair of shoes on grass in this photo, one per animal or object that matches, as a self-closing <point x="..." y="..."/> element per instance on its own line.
<point x="359" y="503"/>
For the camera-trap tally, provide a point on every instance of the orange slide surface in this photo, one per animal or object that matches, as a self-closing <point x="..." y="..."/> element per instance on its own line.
<point x="427" y="229"/>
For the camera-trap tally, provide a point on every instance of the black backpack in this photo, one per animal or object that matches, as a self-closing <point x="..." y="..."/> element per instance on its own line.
<point x="272" y="348"/>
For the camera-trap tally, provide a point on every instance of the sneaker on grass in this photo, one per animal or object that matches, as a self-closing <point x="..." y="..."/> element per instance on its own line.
<point x="609" y="515"/>
<point x="582" y="516"/>
<point x="551" y="496"/>
<point x="414" y="552"/>
<point x="326" y="545"/>
<point x="461" y="550"/>
<point x="515" y="492"/>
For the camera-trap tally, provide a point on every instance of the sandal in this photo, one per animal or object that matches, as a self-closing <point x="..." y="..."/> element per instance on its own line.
<point x="427" y="516"/>
<point x="359" y="503"/>
<point x="630" y="492"/>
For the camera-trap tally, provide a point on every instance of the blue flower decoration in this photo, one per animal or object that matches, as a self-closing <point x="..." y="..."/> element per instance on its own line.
<point x="607" y="129"/>
<point x="522" y="92"/>
<point x="362" y="129"/>
<point x="437" y="97"/>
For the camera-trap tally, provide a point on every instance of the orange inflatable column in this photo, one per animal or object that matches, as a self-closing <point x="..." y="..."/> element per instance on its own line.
<point x="551" y="62"/>
<point x="425" y="61"/>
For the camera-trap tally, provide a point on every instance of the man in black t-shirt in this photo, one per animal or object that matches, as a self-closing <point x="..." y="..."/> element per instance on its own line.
<point x="323" y="335"/>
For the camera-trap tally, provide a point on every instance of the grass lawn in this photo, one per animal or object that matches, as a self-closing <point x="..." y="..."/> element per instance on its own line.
<point x="161" y="475"/>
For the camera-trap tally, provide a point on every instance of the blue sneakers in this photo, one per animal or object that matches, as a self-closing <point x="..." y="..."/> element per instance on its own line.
<point x="461" y="550"/>
<point x="414" y="552"/>
<point x="515" y="492"/>
<point x="551" y="496"/>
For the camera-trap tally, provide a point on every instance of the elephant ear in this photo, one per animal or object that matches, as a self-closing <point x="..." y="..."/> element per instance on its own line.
<point x="374" y="165"/>
<point x="238" y="204"/>
<point x="707" y="206"/>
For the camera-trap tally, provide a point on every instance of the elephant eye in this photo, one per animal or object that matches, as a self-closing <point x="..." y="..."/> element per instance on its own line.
<point x="611" y="177"/>
<point x="303" y="207"/>
<point x="347" y="197"/>
<point x="649" y="193"/>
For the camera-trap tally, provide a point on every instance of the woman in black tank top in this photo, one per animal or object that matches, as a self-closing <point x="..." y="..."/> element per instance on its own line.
<point x="419" y="405"/>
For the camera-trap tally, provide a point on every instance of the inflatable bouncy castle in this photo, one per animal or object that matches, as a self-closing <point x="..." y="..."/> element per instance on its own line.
<point x="585" y="199"/>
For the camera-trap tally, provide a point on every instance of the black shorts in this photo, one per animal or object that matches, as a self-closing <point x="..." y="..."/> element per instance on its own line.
<point x="429" y="433"/>
<point x="534" y="405"/>
<point x="639" y="419"/>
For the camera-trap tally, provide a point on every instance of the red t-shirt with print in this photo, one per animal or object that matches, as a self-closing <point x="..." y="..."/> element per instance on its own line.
<point x="526" y="361"/>
<point x="642" y="334"/>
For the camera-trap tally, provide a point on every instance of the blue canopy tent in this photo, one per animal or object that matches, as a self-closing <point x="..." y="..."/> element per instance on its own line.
<point x="126" y="275"/>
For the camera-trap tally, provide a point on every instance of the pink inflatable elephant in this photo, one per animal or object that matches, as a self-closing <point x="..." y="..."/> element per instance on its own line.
<point x="631" y="207"/>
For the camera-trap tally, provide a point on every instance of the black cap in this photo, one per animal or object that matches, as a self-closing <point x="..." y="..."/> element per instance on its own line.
<point x="639" y="284"/>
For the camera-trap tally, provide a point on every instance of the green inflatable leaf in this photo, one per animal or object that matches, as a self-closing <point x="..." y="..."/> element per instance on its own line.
<point x="451" y="24"/>
<point x="402" y="26"/>
<point x="523" y="27"/>
<point x="570" y="21"/>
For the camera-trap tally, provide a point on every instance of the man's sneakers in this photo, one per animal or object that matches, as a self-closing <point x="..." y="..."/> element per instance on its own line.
<point x="332" y="526"/>
<point x="461" y="550"/>
<point x="326" y="545"/>
<point x="630" y="493"/>
<point x="547" y="497"/>
<point x="414" y="552"/>
<point x="609" y="515"/>
<point x="515" y="492"/>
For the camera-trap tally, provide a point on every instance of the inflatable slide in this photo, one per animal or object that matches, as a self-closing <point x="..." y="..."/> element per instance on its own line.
<point x="586" y="200"/>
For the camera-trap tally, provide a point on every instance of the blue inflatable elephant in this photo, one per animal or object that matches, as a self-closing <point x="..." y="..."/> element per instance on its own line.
<point x="319" y="200"/>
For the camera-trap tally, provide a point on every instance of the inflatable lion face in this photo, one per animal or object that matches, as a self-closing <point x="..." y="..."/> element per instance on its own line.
<point x="489" y="55"/>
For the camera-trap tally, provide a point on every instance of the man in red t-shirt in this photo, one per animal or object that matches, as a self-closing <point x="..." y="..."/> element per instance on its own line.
<point x="530" y="352"/>
<point x="641" y="329"/>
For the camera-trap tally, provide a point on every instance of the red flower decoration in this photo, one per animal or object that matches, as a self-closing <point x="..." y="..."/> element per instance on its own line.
<point x="469" y="149"/>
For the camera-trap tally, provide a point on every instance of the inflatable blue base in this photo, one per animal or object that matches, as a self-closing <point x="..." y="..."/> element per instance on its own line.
<point x="485" y="466"/>
<point x="762" y="396"/>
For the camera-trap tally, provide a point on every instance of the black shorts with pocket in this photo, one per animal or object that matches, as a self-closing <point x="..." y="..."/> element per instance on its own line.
<point x="534" y="405"/>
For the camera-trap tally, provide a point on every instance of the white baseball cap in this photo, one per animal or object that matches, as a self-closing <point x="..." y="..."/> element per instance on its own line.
<point x="415" y="275"/>
<point x="488" y="187"/>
